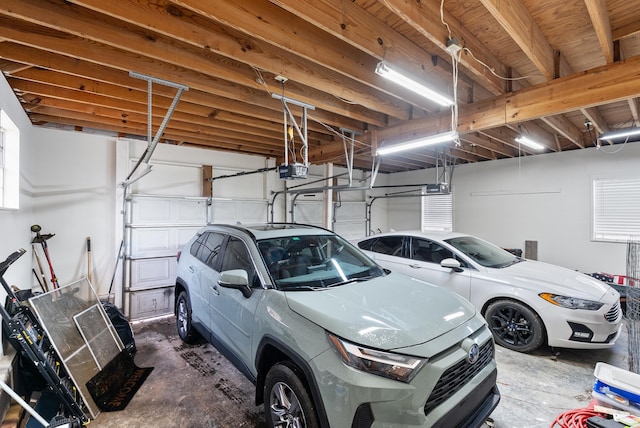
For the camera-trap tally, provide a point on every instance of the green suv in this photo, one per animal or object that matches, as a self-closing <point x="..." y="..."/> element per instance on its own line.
<point x="328" y="337"/>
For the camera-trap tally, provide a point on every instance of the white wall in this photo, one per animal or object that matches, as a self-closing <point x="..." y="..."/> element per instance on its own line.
<point x="547" y="199"/>
<point x="15" y="224"/>
<point x="73" y="185"/>
<point x="544" y="198"/>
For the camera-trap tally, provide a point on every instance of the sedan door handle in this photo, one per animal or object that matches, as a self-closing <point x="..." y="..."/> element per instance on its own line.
<point x="414" y="266"/>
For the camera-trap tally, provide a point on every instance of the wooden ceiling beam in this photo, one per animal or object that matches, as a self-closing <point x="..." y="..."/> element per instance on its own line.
<point x="537" y="133"/>
<point x="209" y="104"/>
<point x="516" y="20"/>
<point x="348" y="22"/>
<point x="136" y="121"/>
<point x="144" y="54"/>
<point x="627" y="30"/>
<point x="233" y="145"/>
<point x="84" y="111"/>
<point x="424" y="17"/>
<point x="9" y="67"/>
<point x="477" y="151"/>
<point x="197" y="113"/>
<point x="177" y="23"/>
<point x="101" y="101"/>
<point x="602" y="85"/>
<point x="566" y="128"/>
<point x="485" y="142"/>
<point x="600" y="20"/>
<point x="593" y="115"/>
<point x="507" y="137"/>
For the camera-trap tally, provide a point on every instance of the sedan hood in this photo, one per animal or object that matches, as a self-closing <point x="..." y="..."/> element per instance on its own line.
<point x="543" y="277"/>
<point x="388" y="312"/>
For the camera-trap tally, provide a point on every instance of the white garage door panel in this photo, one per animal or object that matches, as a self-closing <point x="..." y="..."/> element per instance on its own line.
<point x="350" y="221"/>
<point x="308" y="212"/>
<point x="157" y="227"/>
<point x="148" y="303"/>
<point x="147" y="210"/>
<point x="159" y="242"/>
<point x="233" y="211"/>
<point x="350" y="230"/>
<point x="149" y="273"/>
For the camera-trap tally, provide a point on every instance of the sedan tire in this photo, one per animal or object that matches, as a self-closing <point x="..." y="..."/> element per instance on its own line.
<point x="286" y="400"/>
<point x="515" y="326"/>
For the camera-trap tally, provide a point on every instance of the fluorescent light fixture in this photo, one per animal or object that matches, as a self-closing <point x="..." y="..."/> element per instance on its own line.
<point x="384" y="70"/>
<point x="614" y="135"/>
<point x="526" y="141"/>
<point x="420" y="142"/>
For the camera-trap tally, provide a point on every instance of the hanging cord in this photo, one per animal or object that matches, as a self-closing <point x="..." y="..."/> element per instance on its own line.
<point x="455" y="59"/>
<point x="600" y="147"/>
<point x="467" y="50"/>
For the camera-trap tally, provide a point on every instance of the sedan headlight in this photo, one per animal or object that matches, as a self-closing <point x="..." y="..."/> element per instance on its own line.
<point x="571" y="302"/>
<point x="387" y="364"/>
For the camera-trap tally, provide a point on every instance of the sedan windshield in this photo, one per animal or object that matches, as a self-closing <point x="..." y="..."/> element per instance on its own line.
<point x="483" y="252"/>
<point x="315" y="261"/>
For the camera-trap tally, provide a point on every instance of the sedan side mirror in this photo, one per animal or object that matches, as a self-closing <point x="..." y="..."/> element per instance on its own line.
<point x="452" y="264"/>
<point x="237" y="279"/>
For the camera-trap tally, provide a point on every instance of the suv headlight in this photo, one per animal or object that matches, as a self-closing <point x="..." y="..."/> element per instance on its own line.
<point x="387" y="364"/>
<point x="571" y="302"/>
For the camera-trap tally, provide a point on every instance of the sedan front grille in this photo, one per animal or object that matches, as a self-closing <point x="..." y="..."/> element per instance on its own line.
<point x="456" y="376"/>
<point x="614" y="313"/>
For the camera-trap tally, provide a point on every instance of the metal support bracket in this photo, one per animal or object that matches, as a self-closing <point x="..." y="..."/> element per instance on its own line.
<point x="349" y="137"/>
<point x="300" y="129"/>
<point x="152" y="142"/>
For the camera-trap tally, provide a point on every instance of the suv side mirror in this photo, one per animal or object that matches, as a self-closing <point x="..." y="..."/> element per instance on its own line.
<point x="237" y="279"/>
<point x="452" y="264"/>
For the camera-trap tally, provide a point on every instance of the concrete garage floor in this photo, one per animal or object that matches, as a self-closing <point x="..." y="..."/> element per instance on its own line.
<point x="194" y="386"/>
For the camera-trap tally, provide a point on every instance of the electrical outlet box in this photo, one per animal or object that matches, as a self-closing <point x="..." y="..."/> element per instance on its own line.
<point x="453" y="46"/>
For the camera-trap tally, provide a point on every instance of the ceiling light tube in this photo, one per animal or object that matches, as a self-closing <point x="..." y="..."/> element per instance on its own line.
<point x="526" y="141"/>
<point x="420" y="142"/>
<point x="623" y="133"/>
<point x="387" y="72"/>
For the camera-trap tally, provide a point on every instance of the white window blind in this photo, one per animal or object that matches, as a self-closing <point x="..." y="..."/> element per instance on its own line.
<point x="437" y="212"/>
<point x="616" y="209"/>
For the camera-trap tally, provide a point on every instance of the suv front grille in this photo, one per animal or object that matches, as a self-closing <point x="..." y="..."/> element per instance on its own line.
<point x="456" y="376"/>
<point x="614" y="313"/>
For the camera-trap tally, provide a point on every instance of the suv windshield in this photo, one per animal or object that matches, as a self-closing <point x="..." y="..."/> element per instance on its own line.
<point x="309" y="261"/>
<point x="483" y="252"/>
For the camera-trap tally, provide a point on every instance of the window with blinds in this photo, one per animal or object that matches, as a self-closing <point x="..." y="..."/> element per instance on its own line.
<point x="616" y="209"/>
<point x="437" y="212"/>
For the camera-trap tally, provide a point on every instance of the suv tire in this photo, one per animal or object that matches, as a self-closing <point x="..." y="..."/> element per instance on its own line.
<point x="183" y="319"/>
<point x="286" y="400"/>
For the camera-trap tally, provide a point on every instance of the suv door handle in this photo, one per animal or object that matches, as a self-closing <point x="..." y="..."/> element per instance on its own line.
<point x="414" y="266"/>
<point x="191" y="269"/>
<point x="214" y="290"/>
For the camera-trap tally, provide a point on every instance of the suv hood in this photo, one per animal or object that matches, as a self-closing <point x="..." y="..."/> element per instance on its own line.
<point x="388" y="312"/>
<point x="544" y="277"/>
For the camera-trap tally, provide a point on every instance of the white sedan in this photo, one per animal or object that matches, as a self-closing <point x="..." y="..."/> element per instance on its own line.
<point x="525" y="302"/>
